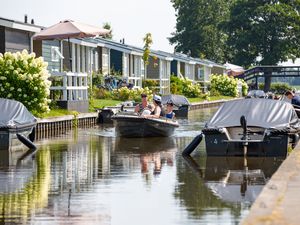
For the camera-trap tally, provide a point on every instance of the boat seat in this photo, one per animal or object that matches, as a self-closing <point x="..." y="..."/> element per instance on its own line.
<point x="236" y="133"/>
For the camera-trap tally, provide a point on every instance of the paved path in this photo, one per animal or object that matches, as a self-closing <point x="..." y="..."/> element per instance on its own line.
<point x="279" y="202"/>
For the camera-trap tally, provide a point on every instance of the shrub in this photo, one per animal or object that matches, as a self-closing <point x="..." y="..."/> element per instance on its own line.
<point x="245" y="87"/>
<point x="125" y="94"/>
<point x="277" y="88"/>
<point x="25" y="78"/>
<point x="184" y="86"/>
<point x="225" y="85"/>
<point x="151" y="84"/>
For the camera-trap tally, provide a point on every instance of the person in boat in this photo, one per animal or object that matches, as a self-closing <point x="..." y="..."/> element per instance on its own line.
<point x="141" y="106"/>
<point x="148" y="110"/>
<point x="158" y="111"/>
<point x="295" y="99"/>
<point x="169" y="113"/>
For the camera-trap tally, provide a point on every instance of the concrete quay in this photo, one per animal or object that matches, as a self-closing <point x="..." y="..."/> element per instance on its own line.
<point x="279" y="201"/>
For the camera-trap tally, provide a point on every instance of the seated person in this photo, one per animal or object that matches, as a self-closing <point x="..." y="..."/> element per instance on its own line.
<point x="157" y="112"/>
<point x="141" y="106"/>
<point x="295" y="99"/>
<point x="169" y="113"/>
<point x="148" y="110"/>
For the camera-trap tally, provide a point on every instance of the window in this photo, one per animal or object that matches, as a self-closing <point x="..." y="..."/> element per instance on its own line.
<point x="56" y="54"/>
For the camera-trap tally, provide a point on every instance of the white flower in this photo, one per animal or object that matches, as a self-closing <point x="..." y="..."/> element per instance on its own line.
<point x="19" y="90"/>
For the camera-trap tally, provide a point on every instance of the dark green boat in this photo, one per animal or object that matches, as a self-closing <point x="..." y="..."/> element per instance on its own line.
<point x="130" y="125"/>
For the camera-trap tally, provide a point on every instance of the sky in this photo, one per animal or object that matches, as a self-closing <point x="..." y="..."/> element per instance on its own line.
<point x="129" y="19"/>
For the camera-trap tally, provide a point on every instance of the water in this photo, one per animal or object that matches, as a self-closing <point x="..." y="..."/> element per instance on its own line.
<point x="92" y="177"/>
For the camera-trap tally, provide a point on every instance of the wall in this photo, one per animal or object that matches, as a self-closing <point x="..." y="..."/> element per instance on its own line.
<point x="49" y="55"/>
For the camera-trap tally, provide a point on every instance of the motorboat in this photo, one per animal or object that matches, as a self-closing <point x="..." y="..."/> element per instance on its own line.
<point x="180" y="102"/>
<point x="17" y="125"/>
<point x="134" y="125"/>
<point x="250" y="127"/>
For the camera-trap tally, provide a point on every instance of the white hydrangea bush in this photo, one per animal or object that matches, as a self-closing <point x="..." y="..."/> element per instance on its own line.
<point x="24" y="77"/>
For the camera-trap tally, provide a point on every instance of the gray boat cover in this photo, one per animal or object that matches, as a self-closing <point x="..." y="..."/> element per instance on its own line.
<point x="14" y="114"/>
<point x="177" y="100"/>
<point x="266" y="113"/>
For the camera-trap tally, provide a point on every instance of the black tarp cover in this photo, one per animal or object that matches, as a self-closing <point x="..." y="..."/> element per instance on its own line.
<point x="177" y="100"/>
<point x="14" y="114"/>
<point x="266" y="113"/>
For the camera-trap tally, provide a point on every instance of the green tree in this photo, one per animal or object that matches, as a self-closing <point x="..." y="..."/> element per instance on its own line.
<point x="108" y="27"/>
<point x="264" y="32"/>
<point x="147" y="45"/>
<point x="198" y="30"/>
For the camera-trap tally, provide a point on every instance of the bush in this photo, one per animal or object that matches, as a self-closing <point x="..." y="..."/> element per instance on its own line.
<point x="151" y="84"/>
<point x="25" y="78"/>
<point x="102" y="93"/>
<point x="245" y="87"/>
<point x="125" y="94"/>
<point x="225" y="85"/>
<point x="184" y="86"/>
<point x="277" y="88"/>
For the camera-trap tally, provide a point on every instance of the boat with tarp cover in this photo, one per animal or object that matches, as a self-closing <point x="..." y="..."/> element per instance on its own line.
<point x="17" y="125"/>
<point x="133" y="125"/>
<point x="250" y="127"/>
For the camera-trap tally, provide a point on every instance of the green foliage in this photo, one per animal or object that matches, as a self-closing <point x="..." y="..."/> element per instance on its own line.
<point x="198" y="28"/>
<point x="97" y="79"/>
<point x="183" y="86"/>
<point x="277" y="88"/>
<point x="245" y="87"/>
<point x="225" y="85"/>
<point x="269" y="29"/>
<point x="153" y="85"/>
<point x="147" y="45"/>
<point x="125" y="94"/>
<point x="24" y="77"/>
<point x="102" y="93"/>
<point x="108" y="27"/>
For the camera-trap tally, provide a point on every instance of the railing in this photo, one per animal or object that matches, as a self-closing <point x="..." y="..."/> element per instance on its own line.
<point x="273" y="71"/>
<point x="74" y="86"/>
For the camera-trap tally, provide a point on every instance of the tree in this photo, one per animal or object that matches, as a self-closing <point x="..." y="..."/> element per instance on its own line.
<point x="147" y="45"/>
<point x="266" y="29"/>
<point x="108" y="27"/>
<point x="198" y="28"/>
<point x="264" y="32"/>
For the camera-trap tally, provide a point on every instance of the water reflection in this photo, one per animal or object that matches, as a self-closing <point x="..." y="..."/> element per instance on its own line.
<point x="91" y="177"/>
<point x="235" y="179"/>
<point x="24" y="186"/>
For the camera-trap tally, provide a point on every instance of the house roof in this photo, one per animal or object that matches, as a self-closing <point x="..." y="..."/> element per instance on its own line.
<point x="19" y="25"/>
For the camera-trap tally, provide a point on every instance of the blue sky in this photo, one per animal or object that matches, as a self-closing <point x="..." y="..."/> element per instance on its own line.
<point x="130" y="19"/>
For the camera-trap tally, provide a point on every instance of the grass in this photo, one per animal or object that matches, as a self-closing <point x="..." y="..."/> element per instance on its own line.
<point x="212" y="98"/>
<point x="57" y="112"/>
<point x="100" y="103"/>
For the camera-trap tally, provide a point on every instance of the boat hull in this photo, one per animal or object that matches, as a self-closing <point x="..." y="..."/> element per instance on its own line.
<point x="271" y="146"/>
<point x="134" y="126"/>
<point x="8" y="136"/>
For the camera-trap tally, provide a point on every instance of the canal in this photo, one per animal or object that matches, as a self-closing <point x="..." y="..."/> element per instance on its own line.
<point x="92" y="177"/>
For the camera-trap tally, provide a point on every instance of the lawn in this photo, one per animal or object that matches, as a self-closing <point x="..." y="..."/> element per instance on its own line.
<point x="57" y="112"/>
<point x="100" y="103"/>
<point x="212" y="98"/>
